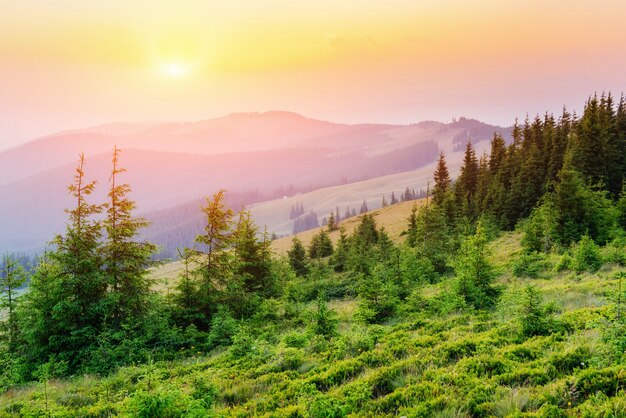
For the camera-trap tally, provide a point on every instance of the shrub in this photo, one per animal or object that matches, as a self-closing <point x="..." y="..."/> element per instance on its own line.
<point x="223" y="328"/>
<point x="289" y="359"/>
<point x="296" y="339"/>
<point x="565" y="262"/>
<point x="535" y="318"/>
<point x="326" y="407"/>
<point x="379" y="296"/>
<point x="324" y="319"/>
<point x="528" y="265"/>
<point x="243" y="343"/>
<point x="586" y="256"/>
<point x="160" y="404"/>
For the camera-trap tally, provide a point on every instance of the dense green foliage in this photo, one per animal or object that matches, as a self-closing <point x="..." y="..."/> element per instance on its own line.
<point x="463" y="318"/>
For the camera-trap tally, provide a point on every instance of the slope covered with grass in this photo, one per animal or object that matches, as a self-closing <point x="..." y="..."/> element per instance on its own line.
<point x="427" y="360"/>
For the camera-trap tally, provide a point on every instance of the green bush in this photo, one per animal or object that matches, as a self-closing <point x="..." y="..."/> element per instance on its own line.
<point x="327" y="407"/>
<point x="586" y="256"/>
<point x="223" y="328"/>
<point x="535" y="317"/>
<point x="565" y="263"/>
<point x="528" y="265"/>
<point x="162" y="404"/>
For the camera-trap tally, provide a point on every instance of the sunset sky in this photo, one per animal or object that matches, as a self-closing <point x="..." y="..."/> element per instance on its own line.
<point x="74" y="63"/>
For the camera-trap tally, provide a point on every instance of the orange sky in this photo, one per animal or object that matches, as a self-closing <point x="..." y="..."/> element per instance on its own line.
<point x="73" y="63"/>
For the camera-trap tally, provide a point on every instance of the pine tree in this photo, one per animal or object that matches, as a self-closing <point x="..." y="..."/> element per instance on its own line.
<point x="321" y="246"/>
<point x="432" y="236"/>
<point x="497" y="154"/>
<point x="332" y="223"/>
<point x="340" y="255"/>
<point x="79" y="311"/>
<point x="467" y="183"/>
<point x="187" y="295"/>
<point x="44" y="293"/>
<point x="394" y="199"/>
<point x="475" y="273"/>
<point x="483" y="183"/>
<point x="297" y="257"/>
<point x="252" y="260"/>
<point x="411" y="235"/>
<point x="364" y="208"/>
<point x="126" y="260"/>
<point x="589" y="147"/>
<point x="12" y="277"/>
<point x="442" y="180"/>
<point x="325" y="320"/>
<point x="384" y="203"/>
<point x="215" y="261"/>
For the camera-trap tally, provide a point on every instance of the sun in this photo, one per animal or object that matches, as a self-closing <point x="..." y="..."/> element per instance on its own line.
<point x="175" y="69"/>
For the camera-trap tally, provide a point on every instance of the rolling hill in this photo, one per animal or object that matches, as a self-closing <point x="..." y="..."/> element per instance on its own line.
<point x="263" y="155"/>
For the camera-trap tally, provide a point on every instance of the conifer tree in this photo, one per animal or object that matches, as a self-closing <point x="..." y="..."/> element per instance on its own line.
<point x="332" y="223"/>
<point x="187" y="295"/>
<point x="442" y="180"/>
<point x="12" y="277"/>
<point x="411" y="235"/>
<point x="497" y="154"/>
<point x="215" y="261"/>
<point x="297" y="257"/>
<point x="340" y="255"/>
<point x="44" y="293"/>
<point x="475" y="273"/>
<point x="252" y="258"/>
<point x="320" y="246"/>
<point x="79" y="311"/>
<point x="394" y="199"/>
<point x="125" y="259"/>
<point x="432" y="236"/>
<point x="384" y="203"/>
<point x="364" y="208"/>
<point x="467" y="183"/>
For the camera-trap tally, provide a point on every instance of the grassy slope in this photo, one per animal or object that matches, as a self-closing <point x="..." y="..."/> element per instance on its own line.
<point x="393" y="218"/>
<point x="455" y="365"/>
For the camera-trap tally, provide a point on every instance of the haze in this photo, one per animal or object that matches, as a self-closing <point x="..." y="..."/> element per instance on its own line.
<point x="69" y="63"/>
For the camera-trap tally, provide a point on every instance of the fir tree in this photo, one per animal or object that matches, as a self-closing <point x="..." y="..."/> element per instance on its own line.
<point x="364" y="208"/>
<point x="12" y="277"/>
<point x="252" y="258"/>
<point x="442" y="180"/>
<point x="467" y="183"/>
<point x="497" y="154"/>
<point x="340" y="255"/>
<point x="297" y="257"/>
<point x="321" y="246"/>
<point x="411" y="235"/>
<point x="125" y="260"/>
<point x="394" y="199"/>
<point x="475" y="273"/>
<point x="215" y="261"/>
<point x="79" y="308"/>
<point x="332" y="223"/>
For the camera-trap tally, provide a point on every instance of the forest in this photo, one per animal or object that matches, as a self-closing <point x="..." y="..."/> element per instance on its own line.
<point x="502" y="296"/>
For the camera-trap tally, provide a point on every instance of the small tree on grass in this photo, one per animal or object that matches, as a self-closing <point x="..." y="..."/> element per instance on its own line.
<point x="324" y="320"/>
<point x="379" y="295"/>
<point x="297" y="257"/>
<point x="12" y="277"/>
<point x="587" y="255"/>
<point x="475" y="273"/>
<point x="535" y="316"/>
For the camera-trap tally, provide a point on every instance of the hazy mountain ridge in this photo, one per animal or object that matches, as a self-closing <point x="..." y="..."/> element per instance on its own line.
<point x="305" y="153"/>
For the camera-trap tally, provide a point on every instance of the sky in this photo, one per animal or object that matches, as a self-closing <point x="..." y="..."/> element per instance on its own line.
<point x="68" y="64"/>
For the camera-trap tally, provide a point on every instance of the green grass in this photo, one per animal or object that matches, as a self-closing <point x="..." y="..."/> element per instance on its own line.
<point x="417" y="364"/>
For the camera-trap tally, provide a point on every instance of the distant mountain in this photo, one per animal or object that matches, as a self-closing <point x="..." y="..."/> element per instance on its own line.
<point x="259" y="155"/>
